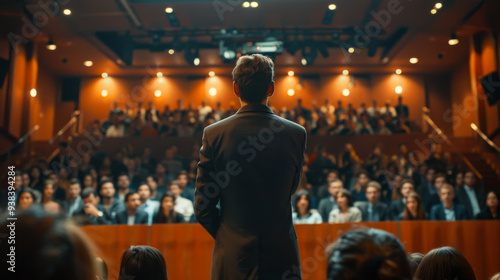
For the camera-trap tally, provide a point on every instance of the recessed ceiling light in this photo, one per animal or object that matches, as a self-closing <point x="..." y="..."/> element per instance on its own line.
<point x="453" y="40"/>
<point x="67" y="12"/>
<point x="88" y="63"/>
<point x="211" y="73"/>
<point x="291" y="73"/>
<point x="398" y="89"/>
<point x="303" y="61"/>
<point x="104" y="75"/>
<point x="33" y="92"/>
<point x="399" y="71"/>
<point x="291" y="92"/>
<point x="413" y="60"/>
<point x="351" y="50"/>
<point x="104" y="93"/>
<point x="171" y="51"/>
<point x="434" y="11"/>
<point x="51" y="45"/>
<point x="169" y="10"/>
<point x="159" y="74"/>
<point x="332" y="7"/>
<point x="196" y="61"/>
<point x="345" y="92"/>
<point x="157" y="93"/>
<point x="246" y="4"/>
<point x="212" y="91"/>
<point x="254" y="4"/>
<point x="345" y="72"/>
<point x="438" y="5"/>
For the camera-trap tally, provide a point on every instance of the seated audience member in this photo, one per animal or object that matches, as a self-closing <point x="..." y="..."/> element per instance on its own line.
<point x="323" y="191"/>
<point x="132" y="215"/>
<point x="373" y="210"/>
<point x="102" y="273"/>
<point x="167" y="214"/>
<point x="48" y="202"/>
<point x="183" y="205"/>
<point x="367" y="254"/>
<point x="414" y="261"/>
<point x="359" y="189"/>
<point x="59" y="192"/>
<point x="426" y="189"/>
<point x="108" y="203"/>
<point x="25" y="199"/>
<point x="444" y="263"/>
<point x="398" y="206"/>
<point x="459" y="180"/>
<point x="302" y="213"/>
<point x="147" y="205"/>
<point x="186" y="187"/>
<point x="491" y="211"/>
<point x="92" y="212"/>
<point x="414" y="208"/>
<point x="74" y="202"/>
<point x="143" y="263"/>
<point x="327" y="204"/>
<point x="156" y="191"/>
<point x="469" y="195"/>
<point x="123" y="186"/>
<point x="47" y="247"/>
<point x="447" y="210"/>
<point x="346" y="212"/>
<point x="437" y="183"/>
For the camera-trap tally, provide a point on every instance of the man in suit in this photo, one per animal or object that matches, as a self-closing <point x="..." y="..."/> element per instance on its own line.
<point x="147" y="204"/>
<point x="474" y="199"/>
<point x="373" y="210"/>
<point x="327" y="204"/>
<point x="74" y="203"/>
<point x="398" y="206"/>
<point x="447" y="210"/>
<point x="401" y="109"/>
<point x="59" y="193"/>
<point x="108" y="203"/>
<point x="132" y="215"/>
<point x="91" y="213"/>
<point x="426" y="190"/>
<point x="251" y="164"/>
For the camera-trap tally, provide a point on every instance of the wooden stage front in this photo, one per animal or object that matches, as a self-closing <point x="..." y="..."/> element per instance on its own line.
<point x="188" y="247"/>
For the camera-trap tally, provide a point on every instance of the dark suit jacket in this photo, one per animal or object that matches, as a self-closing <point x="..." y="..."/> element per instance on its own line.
<point x="110" y="213"/>
<point x="251" y="164"/>
<point x="463" y="198"/>
<point x="396" y="209"/>
<point x="429" y="200"/>
<point x="325" y="207"/>
<point x="66" y="204"/>
<point x="380" y="208"/>
<point x="141" y="218"/>
<point x="81" y="218"/>
<point x="437" y="212"/>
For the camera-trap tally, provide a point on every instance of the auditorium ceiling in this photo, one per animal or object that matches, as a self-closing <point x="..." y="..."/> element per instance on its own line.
<point x="132" y="37"/>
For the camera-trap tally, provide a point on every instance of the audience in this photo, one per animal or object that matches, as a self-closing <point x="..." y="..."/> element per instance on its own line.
<point x="303" y="213"/>
<point x="398" y="206"/>
<point x="143" y="263"/>
<point x="491" y="211"/>
<point x="373" y="210"/>
<point x="444" y="263"/>
<point x="414" y="208"/>
<point x="447" y="210"/>
<point x="132" y="215"/>
<point x="183" y="205"/>
<point x="469" y="195"/>
<point x="345" y="212"/>
<point x="92" y="212"/>
<point x="147" y="204"/>
<point x="108" y="203"/>
<point x="25" y="199"/>
<point x="167" y="213"/>
<point x="74" y="202"/>
<point x="48" y="202"/>
<point x="327" y="204"/>
<point x="414" y="261"/>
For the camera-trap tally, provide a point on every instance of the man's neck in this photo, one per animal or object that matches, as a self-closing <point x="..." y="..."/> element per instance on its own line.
<point x="448" y="206"/>
<point x="122" y="191"/>
<point x="130" y="212"/>
<point x="107" y="200"/>
<point x="243" y="103"/>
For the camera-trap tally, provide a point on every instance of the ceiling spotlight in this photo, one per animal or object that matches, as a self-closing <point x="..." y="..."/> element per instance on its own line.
<point x="33" y="92"/>
<point x="350" y="50"/>
<point x="212" y="91"/>
<point x="345" y="72"/>
<point x="104" y="75"/>
<point x="308" y="56"/>
<point x="399" y="71"/>
<point x="51" y="45"/>
<point x="332" y="7"/>
<point x="157" y="93"/>
<point x="438" y="5"/>
<point x="345" y="92"/>
<point x="159" y="74"/>
<point x="88" y="63"/>
<point x="67" y="12"/>
<point x="254" y="4"/>
<point x="453" y="40"/>
<point x="434" y="11"/>
<point x="246" y="4"/>
<point x="291" y="92"/>
<point x="171" y="51"/>
<point x="196" y="61"/>
<point x="398" y="89"/>
<point x="211" y="73"/>
<point x="413" y="60"/>
<point x="169" y="10"/>
<point x="291" y="73"/>
<point x="303" y="61"/>
<point x="104" y="93"/>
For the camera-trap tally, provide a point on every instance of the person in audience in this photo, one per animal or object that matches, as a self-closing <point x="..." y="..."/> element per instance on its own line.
<point x="183" y="205"/>
<point x="367" y="254"/>
<point x="359" y="189"/>
<point x="414" y="261"/>
<point x="153" y="113"/>
<point x="25" y="199"/>
<point x="414" y="208"/>
<point x="156" y="191"/>
<point x="437" y="183"/>
<point x="426" y="189"/>
<point x="123" y="184"/>
<point x="132" y="215"/>
<point x="48" y="201"/>
<point x="470" y="195"/>
<point x="74" y="202"/>
<point x="59" y="193"/>
<point x="143" y="263"/>
<point x="116" y="129"/>
<point x="397" y="206"/>
<point x="444" y="263"/>
<point x="459" y="180"/>
<point x="491" y="211"/>
<point x="102" y="273"/>
<point x="147" y="204"/>
<point x="401" y="109"/>
<point x="323" y="191"/>
<point x="346" y="212"/>
<point x="167" y="214"/>
<point x="88" y="181"/>
<point x="303" y="213"/>
<point x="373" y="210"/>
<point x="47" y="247"/>
<point x="186" y="187"/>
<point x="36" y="178"/>
<point x="447" y="210"/>
<point x="108" y="203"/>
<point x="92" y="212"/>
<point x="327" y="204"/>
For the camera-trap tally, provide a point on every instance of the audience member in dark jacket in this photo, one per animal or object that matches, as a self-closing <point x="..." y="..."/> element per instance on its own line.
<point x="469" y="196"/>
<point x="132" y="216"/>
<point x="448" y="211"/>
<point x="491" y="211"/>
<point x="398" y="206"/>
<point x="327" y="204"/>
<point x="373" y="210"/>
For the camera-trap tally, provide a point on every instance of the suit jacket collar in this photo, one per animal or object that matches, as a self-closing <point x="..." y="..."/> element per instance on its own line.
<point x="255" y="108"/>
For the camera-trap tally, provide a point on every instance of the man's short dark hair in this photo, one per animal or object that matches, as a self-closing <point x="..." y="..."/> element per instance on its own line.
<point x="142" y="184"/>
<point x="122" y="174"/>
<point x="182" y="172"/>
<point x="408" y="181"/>
<point x="87" y="192"/>
<point x="74" y="181"/>
<point x="128" y="195"/>
<point x="253" y="75"/>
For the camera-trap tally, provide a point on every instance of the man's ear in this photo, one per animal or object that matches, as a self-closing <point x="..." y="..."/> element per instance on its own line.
<point x="270" y="90"/>
<point x="236" y="90"/>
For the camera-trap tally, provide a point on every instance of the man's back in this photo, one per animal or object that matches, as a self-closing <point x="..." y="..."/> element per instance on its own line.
<point x="252" y="162"/>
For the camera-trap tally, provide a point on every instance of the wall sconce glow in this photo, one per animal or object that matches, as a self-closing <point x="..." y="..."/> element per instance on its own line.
<point x="51" y="46"/>
<point x="398" y="89"/>
<point x="104" y="75"/>
<point x="212" y="91"/>
<point x="438" y="5"/>
<point x="332" y="7"/>
<point x="303" y="61"/>
<point x="399" y="71"/>
<point x="246" y="4"/>
<point x="157" y="93"/>
<point x="67" y="12"/>
<point x="345" y="72"/>
<point x="413" y="60"/>
<point x="104" y="93"/>
<point x="159" y="74"/>
<point x="211" y="73"/>
<point x="434" y="11"/>
<point x="291" y="73"/>
<point x="33" y="92"/>
<point x="169" y="10"/>
<point x="88" y="63"/>
<point x="351" y="50"/>
<point x="196" y="61"/>
<point x="345" y="92"/>
<point x="291" y="92"/>
<point x="453" y="40"/>
<point x="171" y="51"/>
<point x="254" y="4"/>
